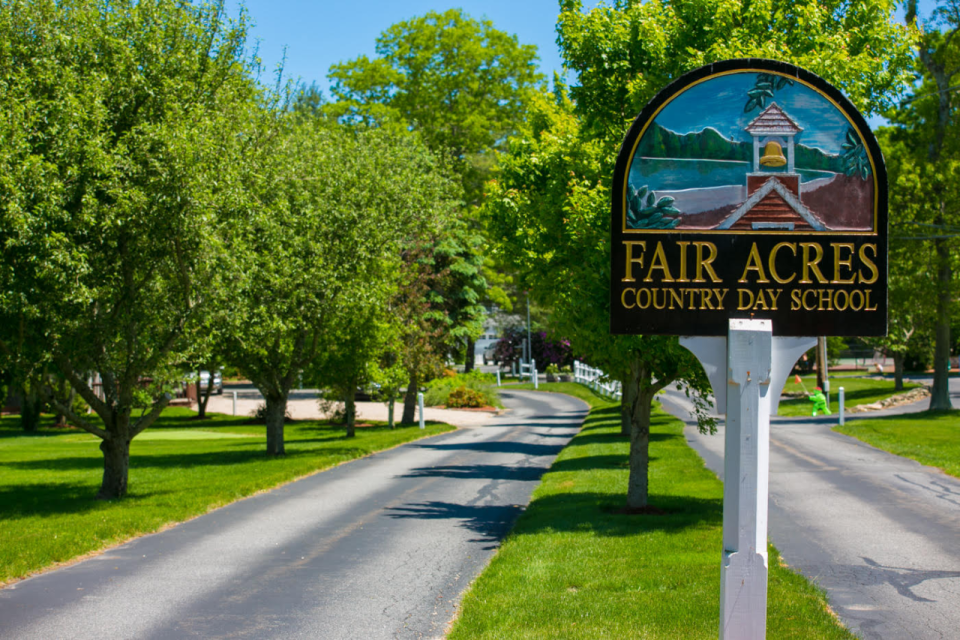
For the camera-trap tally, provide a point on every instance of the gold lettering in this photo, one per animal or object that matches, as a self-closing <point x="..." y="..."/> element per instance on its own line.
<point x="659" y="306"/>
<point x="754" y="263"/>
<point x="853" y="305"/>
<point x="773" y="260"/>
<point x="705" y="264"/>
<point x="741" y="306"/>
<point x="846" y="300"/>
<point x="628" y="277"/>
<point x="623" y="298"/>
<point x="693" y="293"/>
<point x="676" y="296"/>
<point x="869" y="264"/>
<point x="642" y="305"/>
<point x="683" y="261"/>
<point x="842" y="262"/>
<point x="659" y="262"/>
<point x="829" y="297"/>
<point x="774" y="295"/>
<point x="720" y="293"/>
<point x="811" y="265"/>
<point x="807" y="307"/>
<point x="795" y="303"/>
<point x="706" y="300"/>
<point x="761" y="300"/>
<point x="866" y="303"/>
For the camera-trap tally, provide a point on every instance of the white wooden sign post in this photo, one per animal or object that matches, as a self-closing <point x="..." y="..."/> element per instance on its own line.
<point x="748" y="368"/>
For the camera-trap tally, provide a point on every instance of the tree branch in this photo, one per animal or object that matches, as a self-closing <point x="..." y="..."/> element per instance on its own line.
<point x="145" y="421"/>
<point x="99" y="406"/>
<point x="74" y="419"/>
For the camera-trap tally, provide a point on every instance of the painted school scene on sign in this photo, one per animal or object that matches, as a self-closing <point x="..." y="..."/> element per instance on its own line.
<point x="750" y="152"/>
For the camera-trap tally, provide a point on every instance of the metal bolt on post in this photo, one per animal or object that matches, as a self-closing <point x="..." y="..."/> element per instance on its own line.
<point x="841" y="406"/>
<point x="420" y="404"/>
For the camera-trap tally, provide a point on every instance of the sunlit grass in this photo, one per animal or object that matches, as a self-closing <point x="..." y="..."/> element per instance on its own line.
<point x="574" y="568"/>
<point x="179" y="468"/>
<point x="856" y="390"/>
<point x="930" y="438"/>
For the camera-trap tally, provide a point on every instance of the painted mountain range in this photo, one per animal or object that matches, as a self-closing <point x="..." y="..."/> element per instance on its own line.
<point x="709" y="144"/>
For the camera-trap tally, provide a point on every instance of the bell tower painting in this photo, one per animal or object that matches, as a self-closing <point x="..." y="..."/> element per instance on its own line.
<point x="751" y="151"/>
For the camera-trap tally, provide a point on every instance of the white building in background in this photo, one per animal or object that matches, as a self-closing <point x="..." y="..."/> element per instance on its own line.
<point x="493" y="328"/>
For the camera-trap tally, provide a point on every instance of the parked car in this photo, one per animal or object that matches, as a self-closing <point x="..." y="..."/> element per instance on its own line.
<point x="205" y="380"/>
<point x="490" y="354"/>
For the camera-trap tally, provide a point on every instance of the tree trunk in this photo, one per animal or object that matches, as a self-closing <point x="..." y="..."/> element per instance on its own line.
<point x="410" y="401"/>
<point x="276" y="415"/>
<point x="637" y="487"/>
<point x="350" y="408"/>
<point x="940" y="393"/>
<point x="203" y="397"/>
<point x="116" y="466"/>
<point x="31" y="405"/>
<point x="390" y="403"/>
<point x="821" y="362"/>
<point x="629" y="388"/>
<point x="898" y="357"/>
<point x="470" y="360"/>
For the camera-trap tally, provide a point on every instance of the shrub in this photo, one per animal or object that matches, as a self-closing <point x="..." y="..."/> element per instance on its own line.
<point x="463" y="397"/>
<point x="438" y="391"/>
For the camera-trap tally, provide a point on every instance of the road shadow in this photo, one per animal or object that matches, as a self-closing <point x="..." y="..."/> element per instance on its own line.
<point x="490" y="522"/>
<point x="523" y="448"/>
<point x="479" y="471"/>
<point x="903" y="579"/>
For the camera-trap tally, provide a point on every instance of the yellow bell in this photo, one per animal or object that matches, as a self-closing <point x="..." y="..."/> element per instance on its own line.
<point x="773" y="155"/>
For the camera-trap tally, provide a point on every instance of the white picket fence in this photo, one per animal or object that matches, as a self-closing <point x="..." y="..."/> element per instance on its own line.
<point x="596" y="380"/>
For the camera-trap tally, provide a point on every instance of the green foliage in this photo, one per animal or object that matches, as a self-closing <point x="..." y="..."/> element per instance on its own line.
<point x="854" y="156"/>
<point x="479" y="387"/>
<point x="119" y="149"/>
<point x="462" y="83"/>
<point x="644" y="211"/>
<point x="623" y="53"/>
<point x="763" y="90"/>
<point x="314" y="254"/>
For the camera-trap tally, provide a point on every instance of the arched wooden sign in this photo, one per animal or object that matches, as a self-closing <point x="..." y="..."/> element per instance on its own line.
<point x="749" y="189"/>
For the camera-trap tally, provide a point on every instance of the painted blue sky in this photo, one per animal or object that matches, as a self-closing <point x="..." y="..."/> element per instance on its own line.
<point x="719" y="102"/>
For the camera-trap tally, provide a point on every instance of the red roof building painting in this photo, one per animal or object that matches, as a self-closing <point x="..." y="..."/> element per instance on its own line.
<point x="773" y="198"/>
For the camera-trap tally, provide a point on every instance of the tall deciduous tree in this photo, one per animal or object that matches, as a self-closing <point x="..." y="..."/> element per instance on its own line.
<point x="927" y="128"/>
<point x="330" y="209"/>
<point x="117" y="148"/>
<point x="462" y="83"/>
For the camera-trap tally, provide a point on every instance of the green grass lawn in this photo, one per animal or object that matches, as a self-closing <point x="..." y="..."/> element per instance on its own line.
<point x="931" y="438"/>
<point x="574" y="389"/>
<point x="573" y="568"/>
<point x="179" y="468"/>
<point x="856" y="391"/>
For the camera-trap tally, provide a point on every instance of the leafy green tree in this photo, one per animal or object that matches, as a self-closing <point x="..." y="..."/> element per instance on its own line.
<point x="331" y="208"/>
<point x="118" y="148"/>
<point x="927" y="130"/>
<point x="625" y="53"/>
<point x="460" y="82"/>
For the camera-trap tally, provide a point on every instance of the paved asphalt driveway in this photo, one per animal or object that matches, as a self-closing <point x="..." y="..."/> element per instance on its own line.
<point x="880" y="533"/>
<point x="377" y="548"/>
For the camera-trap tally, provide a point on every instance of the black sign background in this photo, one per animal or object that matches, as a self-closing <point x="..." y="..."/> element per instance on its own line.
<point x="844" y="292"/>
